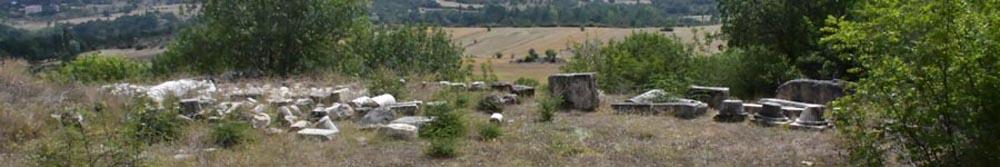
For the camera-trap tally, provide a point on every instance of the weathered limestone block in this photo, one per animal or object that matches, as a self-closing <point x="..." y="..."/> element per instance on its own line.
<point x="413" y="120"/>
<point x="648" y="97"/>
<point x="752" y="108"/>
<point x="711" y="95"/>
<point x="261" y="120"/>
<point x="407" y="108"/>
<point x="496" y="118"/>
<point x="477" y="86"/>
<point x="811" y="91"/>
<point x="633" y="108"/>
<point x="731" y="111"/>
<point x="325" y="123"/>
<point x="363" y="101"/>
<point x="377" y="116"/>
<point x="317" y="134"/>
<point x="323" y="97"/>
<point x="770" y="114"/>
<point x="523" y="91"/>
<point x="191" y="108"/>
<point x="502" y="86"/>
<point x="811" y="119"/>
<point x="578" y="90"/>
<point x="681" y="110"/>
<point x="384" y="100"/>
<point x="399" y="131"/>
<point x="340" y="111"/>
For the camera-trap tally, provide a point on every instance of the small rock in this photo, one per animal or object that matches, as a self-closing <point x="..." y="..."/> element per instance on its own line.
<point x="384" y="100"/>
<point x="339" y="111"/>
<point x="377" y="116"/>
<point x="261" y="120"/>
<point x="325" y="123"/>
<point x="299" y="125"/>
<point x="496" y="118"/>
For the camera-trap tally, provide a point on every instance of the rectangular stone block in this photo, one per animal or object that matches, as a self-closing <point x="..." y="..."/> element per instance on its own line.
<point x="578" y="90"/>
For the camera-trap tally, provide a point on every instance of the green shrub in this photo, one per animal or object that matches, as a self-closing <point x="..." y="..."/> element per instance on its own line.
<point x="386" y="82"/>
<point x="151" y="125"/>
<point x="448" y="127"/>
<point x="547" y="108"/>
<point x="749" y="73"/>
<point x="490" y="131"/>
<point x="550" y="55"/>
<point x="229" y="134"/>
<point x="78" y="146"/>
<point x="527" y="82"/>
<point x="641" y="61"/>
<point x="97" y="68"/>
<point x="443" y="147"/>
<point x="449" y="122"/>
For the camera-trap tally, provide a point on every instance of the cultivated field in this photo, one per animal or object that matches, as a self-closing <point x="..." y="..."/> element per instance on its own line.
<point x="480" y="42"/>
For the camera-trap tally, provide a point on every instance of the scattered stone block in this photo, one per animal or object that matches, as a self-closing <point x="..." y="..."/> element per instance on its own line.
<point x="811" y="119"/>
<point x="770" y="114"/>
<point x="298" y="125"/>
<point x="363" y="101"/>
<point x="384" y="100"/>
<point x="325" y="123"/>
<point x="811" y="91"/>
<point x="307" y="104"/>
<point x="399" y="131"/>
<point x="339" y="111"/>
<point x="792" y="112"/>
<point x="407" y="108"/>
<point x="413" y="120"/>
<point x="317" y="134"/>
<point x="377" y="116"/>
<point x="261" y="120"/>
<point x="501" y="86"/>
<point x="633" y="108"/>
<point x="649" y="97"/>
<point x="711" y="95"/>
<point x="681" y="110"/>
<point x="752" y="108"/>
<point x="323" y="97"/>
<point x="731" y="111"/>
<point x="578" y="90"/>
<point x="496" y="118"/>
<point x="477" y="86"/>
<point x="523" y="91"/>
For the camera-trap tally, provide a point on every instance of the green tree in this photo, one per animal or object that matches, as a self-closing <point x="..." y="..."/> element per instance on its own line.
<point x="790" y="28"/>
<point x="276" y="37"/>
<point x="550" y="55"/>
<point x="930" y="83"/>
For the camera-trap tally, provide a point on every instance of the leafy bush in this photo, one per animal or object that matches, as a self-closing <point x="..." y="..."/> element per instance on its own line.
<point x="385" y="81"/>
<point x="97" y="68"/>
<point x="490" y="131"/>
<point x="232" y="133"/>
<point x="547" y="108"/>
<point x="749" y="73"/>
<point x="448" y="127"/>
<point x="532" y="56"/>
<point x="151" y="125"/>
<point x="527" y="82"/>
<point x="76" y="146"/>
<point x="641" y="61"/>
<point x="406" y="49"/>
<point x="443" y="147"/>
<point x="550" y="55"/>
<point x="931" y="87"/>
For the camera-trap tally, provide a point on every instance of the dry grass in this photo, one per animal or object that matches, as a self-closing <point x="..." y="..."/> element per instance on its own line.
<point x="506" y="70"/>
<point x="573" y="139"/>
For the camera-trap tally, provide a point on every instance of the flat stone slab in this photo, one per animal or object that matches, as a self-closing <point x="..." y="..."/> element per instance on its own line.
<point x="399" y="131"/>
<point x="682" y="110"/>
<point x="523" y="91"/>
<point x="413" y="120"/>
<point x="633" y="108"/>
<point x="317" y="134"/>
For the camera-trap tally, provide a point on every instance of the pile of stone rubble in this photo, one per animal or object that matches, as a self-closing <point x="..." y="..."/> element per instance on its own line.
<point x="307" y="111"/>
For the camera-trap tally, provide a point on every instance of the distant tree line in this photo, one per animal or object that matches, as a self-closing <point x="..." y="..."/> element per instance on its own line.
<point x="65" y="41"/>
<point x="544" y="13"/>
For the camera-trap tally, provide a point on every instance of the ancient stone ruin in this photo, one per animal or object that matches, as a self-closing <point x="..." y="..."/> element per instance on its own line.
<point x="811" y="91"/>
<point x="578" y="90"/>
<point x="657" y="102"/>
